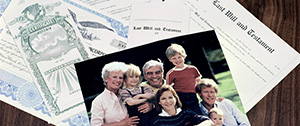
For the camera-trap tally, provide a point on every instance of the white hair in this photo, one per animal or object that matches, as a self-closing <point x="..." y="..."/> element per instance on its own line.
<point x="153" y="63"/>
<point x="113" y="67"/>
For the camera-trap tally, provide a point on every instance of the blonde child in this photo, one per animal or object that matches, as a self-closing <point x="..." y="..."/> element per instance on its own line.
<point x="183" y="77"/>
<point x="217" y="116"/>
<point x="134" y="95"/>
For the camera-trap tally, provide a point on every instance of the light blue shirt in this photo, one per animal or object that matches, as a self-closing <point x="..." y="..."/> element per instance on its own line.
<point x="233" y="116"/>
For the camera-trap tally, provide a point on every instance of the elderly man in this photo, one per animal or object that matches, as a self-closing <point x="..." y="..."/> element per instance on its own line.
<point x="208" y="90"/>
<point x="153" y="73"/>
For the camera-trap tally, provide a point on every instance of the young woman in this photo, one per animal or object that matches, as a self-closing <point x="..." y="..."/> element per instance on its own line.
<point x="171" y="114"/>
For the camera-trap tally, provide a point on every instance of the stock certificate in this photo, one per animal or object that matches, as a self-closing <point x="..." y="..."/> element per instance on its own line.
<point x="16" y="85"/>
<point x="117" y="8"/>
<point x="101" y="33"/>
<point x="50" y="44"/>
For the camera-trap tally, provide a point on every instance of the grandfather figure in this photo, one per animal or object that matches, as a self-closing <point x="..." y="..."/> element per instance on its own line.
<point x="153" y="73"/>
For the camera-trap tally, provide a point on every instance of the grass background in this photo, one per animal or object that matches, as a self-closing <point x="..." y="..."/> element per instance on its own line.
<point x="227" y="89"/>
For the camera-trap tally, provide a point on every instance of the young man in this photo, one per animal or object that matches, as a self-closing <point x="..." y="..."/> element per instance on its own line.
<point x="208" y="90"/>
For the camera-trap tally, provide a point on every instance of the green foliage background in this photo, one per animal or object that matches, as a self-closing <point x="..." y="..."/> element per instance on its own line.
<point x="227" y="88"/>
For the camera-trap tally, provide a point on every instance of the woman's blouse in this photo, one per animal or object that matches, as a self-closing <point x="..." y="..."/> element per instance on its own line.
<point x="107" y="108"/>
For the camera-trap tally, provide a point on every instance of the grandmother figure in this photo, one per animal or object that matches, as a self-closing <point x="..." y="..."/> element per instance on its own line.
<point x="107" y="108"/>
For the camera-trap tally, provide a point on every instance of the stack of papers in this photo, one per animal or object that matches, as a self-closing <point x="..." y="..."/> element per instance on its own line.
<point x="41" y="41"/>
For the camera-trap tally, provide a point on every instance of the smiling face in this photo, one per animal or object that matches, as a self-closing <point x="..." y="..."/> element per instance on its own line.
<point x="167" y="101"/>
<point x="208" y="95"/>
<point x="114" y="80"/>
<point x="218" y="119"/>
<point x="154" y="76"/>
<point x="177" y="60"/>
<point x="132" y="81"/>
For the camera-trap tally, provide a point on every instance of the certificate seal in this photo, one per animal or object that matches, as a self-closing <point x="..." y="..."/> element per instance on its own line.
<point x="28" y="95"/>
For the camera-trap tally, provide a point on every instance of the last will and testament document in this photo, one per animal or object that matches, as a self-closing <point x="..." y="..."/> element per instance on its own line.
<point x="149" y="24"/>
<point x="257" y="57"/>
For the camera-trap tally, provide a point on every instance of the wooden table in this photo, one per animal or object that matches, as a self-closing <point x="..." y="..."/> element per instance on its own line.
<point x="280" y="107"/>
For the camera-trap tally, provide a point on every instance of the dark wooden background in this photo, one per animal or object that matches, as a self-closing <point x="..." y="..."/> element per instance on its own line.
<point x="280" y="107"/>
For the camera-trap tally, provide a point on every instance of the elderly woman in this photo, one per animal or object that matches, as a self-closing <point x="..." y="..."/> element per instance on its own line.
<point x="106" y="108"/>
<point x="171" y="114"/>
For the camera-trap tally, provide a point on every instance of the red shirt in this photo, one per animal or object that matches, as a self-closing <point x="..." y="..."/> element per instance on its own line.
<point x="183" y="79"/>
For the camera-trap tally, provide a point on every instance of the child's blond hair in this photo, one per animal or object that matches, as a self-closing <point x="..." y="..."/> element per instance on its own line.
<point x="174" y="49"/>
<point x="133" y="70"/>
<point x="216" y="111"/>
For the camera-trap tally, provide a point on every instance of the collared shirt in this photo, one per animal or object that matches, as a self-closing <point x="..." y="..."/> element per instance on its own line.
<point x="233" y="116"/>
<point x="107" y="108"/>
<point x="146" y="84"/>
<point x="184" y="117"/>
<point x="164" y="113"/>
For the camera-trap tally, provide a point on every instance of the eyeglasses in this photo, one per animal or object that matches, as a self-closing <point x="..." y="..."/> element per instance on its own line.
<point x="151" y="73"/>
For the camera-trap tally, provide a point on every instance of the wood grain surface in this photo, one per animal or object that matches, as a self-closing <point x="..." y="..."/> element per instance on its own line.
<point x="280" y="107"/>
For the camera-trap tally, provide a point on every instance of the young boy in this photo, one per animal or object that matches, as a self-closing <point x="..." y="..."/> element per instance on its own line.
<point x="183" y="77"/>
<point x="217" y="116"/>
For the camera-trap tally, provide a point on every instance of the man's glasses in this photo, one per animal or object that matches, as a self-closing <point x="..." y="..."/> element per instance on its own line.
<point x="151" y="73"/>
